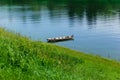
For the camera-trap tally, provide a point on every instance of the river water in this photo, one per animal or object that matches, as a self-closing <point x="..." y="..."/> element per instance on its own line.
<point x="96" y="27"/>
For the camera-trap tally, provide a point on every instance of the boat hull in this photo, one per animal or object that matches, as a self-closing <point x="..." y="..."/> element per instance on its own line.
<point x="58" y="39"/>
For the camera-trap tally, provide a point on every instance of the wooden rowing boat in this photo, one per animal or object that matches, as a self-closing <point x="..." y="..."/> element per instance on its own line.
<point x="63" y="38"/>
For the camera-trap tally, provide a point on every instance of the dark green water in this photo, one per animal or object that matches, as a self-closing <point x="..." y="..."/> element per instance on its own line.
<point x="95" y="25"/>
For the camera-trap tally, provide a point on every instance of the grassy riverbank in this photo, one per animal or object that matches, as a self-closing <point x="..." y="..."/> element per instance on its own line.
<point x="24" y="59"/>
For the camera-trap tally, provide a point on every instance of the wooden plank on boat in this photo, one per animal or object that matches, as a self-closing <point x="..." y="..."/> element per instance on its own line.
<point x="63" y="38"/>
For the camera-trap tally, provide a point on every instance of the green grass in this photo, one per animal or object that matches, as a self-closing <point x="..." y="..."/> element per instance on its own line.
<point x="24" y="59"/>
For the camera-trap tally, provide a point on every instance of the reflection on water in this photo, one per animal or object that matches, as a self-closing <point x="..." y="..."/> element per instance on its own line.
<point x="96" y="27"/>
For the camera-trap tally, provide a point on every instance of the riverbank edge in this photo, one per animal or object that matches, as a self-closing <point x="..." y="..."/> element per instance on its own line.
<point x="34" y="54"/>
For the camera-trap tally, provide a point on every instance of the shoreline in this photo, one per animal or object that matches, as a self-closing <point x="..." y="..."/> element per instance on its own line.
<point x="22" y="58"/>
